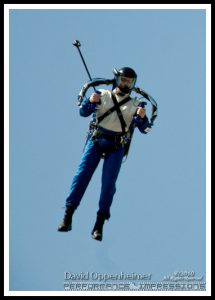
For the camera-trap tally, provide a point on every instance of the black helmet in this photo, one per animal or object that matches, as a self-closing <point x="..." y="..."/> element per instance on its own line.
<point x="124" y="72"/>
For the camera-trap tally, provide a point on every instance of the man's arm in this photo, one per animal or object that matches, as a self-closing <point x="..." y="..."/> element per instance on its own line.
<point x="87" y="108"/>
<point x="88" y="105"/>
<point x="142" y="121"/>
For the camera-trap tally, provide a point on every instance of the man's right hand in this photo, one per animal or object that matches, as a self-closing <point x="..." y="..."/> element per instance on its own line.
<point x="95" y="98"/>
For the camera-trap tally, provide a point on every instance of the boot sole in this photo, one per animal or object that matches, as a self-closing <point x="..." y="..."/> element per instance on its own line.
<point x="65" y="230"/>
<point x="97" y="237"/>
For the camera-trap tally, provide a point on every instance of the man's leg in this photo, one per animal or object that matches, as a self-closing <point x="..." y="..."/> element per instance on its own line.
<point x="110" y="171"/>
<point x="89" y="161"/>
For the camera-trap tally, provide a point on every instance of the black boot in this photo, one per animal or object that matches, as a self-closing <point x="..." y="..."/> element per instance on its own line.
<point x="98" y="228"/>
<point x="67" y="220"/>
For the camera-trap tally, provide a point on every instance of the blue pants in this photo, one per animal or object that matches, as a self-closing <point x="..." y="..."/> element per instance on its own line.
<point x="89" y="161"/>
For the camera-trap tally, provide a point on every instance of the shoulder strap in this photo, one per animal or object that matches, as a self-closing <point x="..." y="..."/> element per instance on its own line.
<point x="116" y="108"/>
<point x="119" y="113"/>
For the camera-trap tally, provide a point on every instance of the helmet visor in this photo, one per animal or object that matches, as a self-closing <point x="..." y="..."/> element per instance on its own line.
<point x="125" y="83"/>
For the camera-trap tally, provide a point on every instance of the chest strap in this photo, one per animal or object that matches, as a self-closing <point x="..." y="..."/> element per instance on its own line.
<point x="116" y="108"/>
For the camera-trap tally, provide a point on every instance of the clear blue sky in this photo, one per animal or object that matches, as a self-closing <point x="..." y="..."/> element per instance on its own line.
<point x="157" y="223"/>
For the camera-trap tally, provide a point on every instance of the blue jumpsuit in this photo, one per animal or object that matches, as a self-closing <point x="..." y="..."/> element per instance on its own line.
<point x="91" y="156"/>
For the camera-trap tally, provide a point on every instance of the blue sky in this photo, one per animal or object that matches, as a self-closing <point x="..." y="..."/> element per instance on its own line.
<point x="158" y="216"/>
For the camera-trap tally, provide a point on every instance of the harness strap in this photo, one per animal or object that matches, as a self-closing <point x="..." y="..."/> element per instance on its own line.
<point x="116" y="108"/>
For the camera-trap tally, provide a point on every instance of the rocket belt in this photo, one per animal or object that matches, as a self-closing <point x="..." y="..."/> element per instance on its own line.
<point x="101" y="81"/>
<point x="118" y="139"/>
